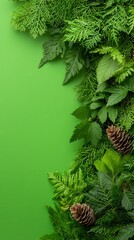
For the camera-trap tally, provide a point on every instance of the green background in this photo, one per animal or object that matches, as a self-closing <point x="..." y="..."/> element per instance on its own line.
<point x="35" y="127"/>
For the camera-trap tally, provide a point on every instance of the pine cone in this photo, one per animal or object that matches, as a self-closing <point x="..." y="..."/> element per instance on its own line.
<point x="120" y="139"/>
<point x="83" y="214"/>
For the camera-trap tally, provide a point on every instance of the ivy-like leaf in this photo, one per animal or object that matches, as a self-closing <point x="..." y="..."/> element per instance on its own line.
<point x="74" y="63"/>
<point x="106" y="68"/>
<point x="53" y="47"/>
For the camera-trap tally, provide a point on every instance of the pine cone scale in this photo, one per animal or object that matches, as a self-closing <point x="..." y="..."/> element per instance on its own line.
<point x="120" y="139"/>
<point x="83" y="214"/>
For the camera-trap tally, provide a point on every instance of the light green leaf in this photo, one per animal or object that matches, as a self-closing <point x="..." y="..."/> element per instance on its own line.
<point x="112" y="113"/>
<point x="101" y="167"/>
<point x="106" y="68"/>
<point x="94" y="133"/>
<point x="117" y="96"/>
<point x="102" y="114"/>
<point x="112" y="161"/>
<point x="128" y="201"/>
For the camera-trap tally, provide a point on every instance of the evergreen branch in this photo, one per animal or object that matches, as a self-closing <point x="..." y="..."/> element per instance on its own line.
<point x="69" y="188"/>
<point x="31" y="16"/>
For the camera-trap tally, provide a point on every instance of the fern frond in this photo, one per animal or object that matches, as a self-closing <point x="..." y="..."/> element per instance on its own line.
<point x="114" y="52"/>
<point x="125" y="71"/>
<point x="116" y="22"/>
<point x="131" y="18"/>
<point x="69" y="188"/>
<point x="87" y="87"/>
<point x="126" y="114"/>
<point x="79" y="30"/>
<point x="31" y="16"/>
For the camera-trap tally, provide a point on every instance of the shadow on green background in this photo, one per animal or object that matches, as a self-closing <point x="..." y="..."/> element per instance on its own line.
<point x="35" y="127"/>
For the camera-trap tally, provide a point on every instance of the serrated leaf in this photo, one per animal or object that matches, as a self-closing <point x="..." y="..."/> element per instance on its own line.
<point x="83" y="112"/>
<point x="100" y="96"/>
<point x="112" y="113"/>
<point x="106" y="68"/>
<point x="94" y="133"/>
<point x="80" y="131"/>
<point x="74" y="63"/>
<point x="126" y="232"/>
<point x="95" y="105"/>
<point x="128" y="201"/>
<point x="102" y="114"/>
<point x="117" y="96"/>
<point x="129" y="83"/>
<point x="53" y="47"/>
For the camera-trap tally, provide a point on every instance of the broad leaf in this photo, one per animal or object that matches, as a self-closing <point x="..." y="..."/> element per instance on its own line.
<point x="83" y="112"/>
<point x="94" y="133"/>
<point x="112" y="113"/>
<point x="128" y="201"/>
<point x="95" y="105"/>
<point x="113" y="162"/>
<point x="74" y="63"/>
<point x="110" y="164"/>
<point x="102" y="114"/>
<point x="117" y="96"/>
<point x="106" y="68"/>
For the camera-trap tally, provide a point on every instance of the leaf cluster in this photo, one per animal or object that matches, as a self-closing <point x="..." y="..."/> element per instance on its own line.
<point x="95" y="40"/>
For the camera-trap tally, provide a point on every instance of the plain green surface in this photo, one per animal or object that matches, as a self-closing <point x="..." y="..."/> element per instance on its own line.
<point x="35" y="127"/>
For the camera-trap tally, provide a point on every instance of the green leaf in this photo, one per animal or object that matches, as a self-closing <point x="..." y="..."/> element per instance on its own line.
<point x="94" y="133"/>
<point x="80" y="131"/>
<point x="113" y="162"/>
<point x="106" y="68"/>
<point x="112" y="113"/>
<point x="128" y="201"/>
<point x="74" y="63"/>
<point x="110" y="164"/>
<point x="100" y="96"/>
<point x="114" y="52"/>
<point x="53" y="47"/>
<point x="126" y="232"/>
<point x="95" y="105"/>
<point x="129" y="83"/>
<point x="117" y="96"/>
<point x="101" y="167"/>
<point x="102" y="114"/>
<point x="83" y="112"/>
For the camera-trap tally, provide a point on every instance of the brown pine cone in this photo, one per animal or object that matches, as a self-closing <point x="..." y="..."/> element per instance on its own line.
<point x="120" y="139"/>
<point x="83" y="214"/>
